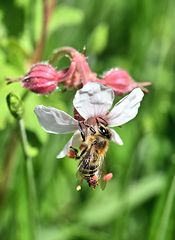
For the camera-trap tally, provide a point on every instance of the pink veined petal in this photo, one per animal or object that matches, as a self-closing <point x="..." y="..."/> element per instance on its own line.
<point x="126" y="109"/>
<point x="94" y="99"/>
<point x="55" y="121"/>
<point x="75" y="141"/>
<point x="116" y="138"/>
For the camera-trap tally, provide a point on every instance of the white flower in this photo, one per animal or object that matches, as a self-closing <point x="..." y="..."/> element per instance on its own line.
<point x="92" y="101"/>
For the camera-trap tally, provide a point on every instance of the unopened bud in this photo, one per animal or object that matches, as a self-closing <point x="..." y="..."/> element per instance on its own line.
<point x="15" y="105"/>
<point x="42" y="78"/>
<point x="121" y="82"/>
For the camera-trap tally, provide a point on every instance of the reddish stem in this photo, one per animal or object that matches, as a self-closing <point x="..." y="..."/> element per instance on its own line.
<point x="48" y="7"/>
<point x="80" y="59"/>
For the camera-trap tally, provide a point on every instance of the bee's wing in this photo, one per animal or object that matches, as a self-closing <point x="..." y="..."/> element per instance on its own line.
<point x="102" y="173"/>
<point x="126" y="109"/>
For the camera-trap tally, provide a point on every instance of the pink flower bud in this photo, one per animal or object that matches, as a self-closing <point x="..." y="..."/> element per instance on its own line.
<point x="42" y="78"/>
<point x="121" y="82"/>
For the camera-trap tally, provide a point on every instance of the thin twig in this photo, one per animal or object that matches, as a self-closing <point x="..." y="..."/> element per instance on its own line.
<point x="48" y="7"/>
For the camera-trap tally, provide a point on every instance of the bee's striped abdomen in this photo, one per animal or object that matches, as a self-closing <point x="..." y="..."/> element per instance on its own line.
<point x="89" y="165"/>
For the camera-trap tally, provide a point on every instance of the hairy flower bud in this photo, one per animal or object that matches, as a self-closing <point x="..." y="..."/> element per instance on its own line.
<point x="121" y="82"/>
<point x="42" y="78"/>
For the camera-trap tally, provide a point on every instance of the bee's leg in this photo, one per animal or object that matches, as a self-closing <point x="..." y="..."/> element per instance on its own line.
<point x="92" y="130"/>
<point x="93" y="182"/>
<point x="97" y="122"/>
<point x="83" y="148"/>
<point x="78" y="187"/>
<point x="81" y="131"/>
<point x="90" y="127"/>
<point x="74" y="149"/>
<point x="80" y="180"/>
<point x="72" y="153"/>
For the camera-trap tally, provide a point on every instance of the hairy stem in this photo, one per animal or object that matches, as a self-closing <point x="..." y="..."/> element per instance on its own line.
<point x="80" y="61"/>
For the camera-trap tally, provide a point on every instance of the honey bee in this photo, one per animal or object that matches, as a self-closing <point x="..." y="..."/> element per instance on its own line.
<point x="92" y="152"/>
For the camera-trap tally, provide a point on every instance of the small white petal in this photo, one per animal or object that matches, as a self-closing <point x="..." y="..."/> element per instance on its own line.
<point x="75" y="141"/>
<point x="126" y="109"/>
<point x="116" y="138"/>
<point x="94" y="99"/>
<point x="55" y="121"/>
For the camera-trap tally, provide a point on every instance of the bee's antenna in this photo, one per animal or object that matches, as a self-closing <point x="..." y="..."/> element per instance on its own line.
<point x="81" y="131"/>
<point x="90" y="127"/>
<point x="97" y="121"/>
<point x="104" y="122"/>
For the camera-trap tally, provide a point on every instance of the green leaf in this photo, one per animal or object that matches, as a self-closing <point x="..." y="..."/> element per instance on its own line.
<point x="163" y="218"/>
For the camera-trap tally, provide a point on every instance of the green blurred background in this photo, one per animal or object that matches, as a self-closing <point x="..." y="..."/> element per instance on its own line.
<point x="139" y="202"/>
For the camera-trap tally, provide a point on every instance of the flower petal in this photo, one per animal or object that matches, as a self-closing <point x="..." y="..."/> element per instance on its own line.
<point x="75" y="141"/>
<point x="116" y="138"/>
<point x="126" y="109"/>
<point x="94" y="99"/>
<point x="55" y="121"/>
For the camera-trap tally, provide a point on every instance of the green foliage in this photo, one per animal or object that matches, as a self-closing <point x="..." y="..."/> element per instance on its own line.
<point x="139" y="202"/>
<point x="65" y="15"/>
<point x="98" y="40"/>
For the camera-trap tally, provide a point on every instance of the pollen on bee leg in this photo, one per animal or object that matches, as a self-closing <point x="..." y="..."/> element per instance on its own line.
<point x="78" y="188"/>
<point x="93" y="182"/>
<point x="72" y="153"/>
<point x="107" y="177"/>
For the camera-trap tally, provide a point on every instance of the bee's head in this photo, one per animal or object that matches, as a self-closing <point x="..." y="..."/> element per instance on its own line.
<point x="104" y="131"/>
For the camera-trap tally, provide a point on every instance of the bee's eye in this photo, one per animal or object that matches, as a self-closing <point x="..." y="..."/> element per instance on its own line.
<point x="102" y="130"/>
<point x="105" y="132"/>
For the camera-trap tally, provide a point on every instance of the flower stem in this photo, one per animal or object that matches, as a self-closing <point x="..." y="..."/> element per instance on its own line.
<point x="79" y="59"/>
<point x="48" y="8"/>
<point x="30" y="181"/>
